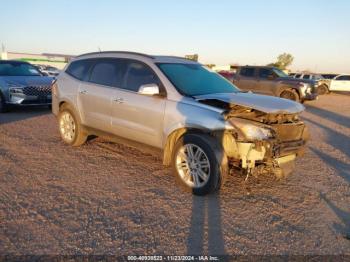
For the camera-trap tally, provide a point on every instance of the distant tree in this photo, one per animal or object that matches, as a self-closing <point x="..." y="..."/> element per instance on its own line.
<point x="210" y="65"/>
<point x="192" y="57"/>
<point x="283" y="61"/>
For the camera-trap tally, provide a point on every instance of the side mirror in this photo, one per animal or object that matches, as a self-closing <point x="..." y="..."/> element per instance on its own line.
<point x="271" y="77"/>
<point x="149" y="90"/>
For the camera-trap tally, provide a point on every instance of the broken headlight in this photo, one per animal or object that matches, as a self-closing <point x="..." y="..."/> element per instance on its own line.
<point x="252" y="131"/>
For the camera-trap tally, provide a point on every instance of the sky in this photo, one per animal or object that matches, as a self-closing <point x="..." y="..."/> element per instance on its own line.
<point x="315" y="32"/>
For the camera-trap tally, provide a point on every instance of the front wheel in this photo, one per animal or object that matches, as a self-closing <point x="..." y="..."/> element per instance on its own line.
<point x="70" y="128"/>
<point x="199" y="163"/>
<point x="290" y="94"/>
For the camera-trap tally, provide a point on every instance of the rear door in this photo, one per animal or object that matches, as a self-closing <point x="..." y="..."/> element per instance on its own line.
<point x="96" y="93"/>
<point x="135" y="116"/>
<point x="341" y="83"/>
<point x="246" y="79"/>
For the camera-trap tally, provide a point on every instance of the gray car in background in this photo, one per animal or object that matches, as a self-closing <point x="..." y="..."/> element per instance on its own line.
<point x="323" y="84"/>
<point x="204" y="126"/>
<point x="21" y="84"/>
<point x="272" y="81"/>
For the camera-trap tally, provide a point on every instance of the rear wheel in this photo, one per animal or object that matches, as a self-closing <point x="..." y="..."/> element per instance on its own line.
<point x="290" y="94"/>
<point x="322" y="89"/>
<point x="199" y="164"/>
<point x="70" y="128"/>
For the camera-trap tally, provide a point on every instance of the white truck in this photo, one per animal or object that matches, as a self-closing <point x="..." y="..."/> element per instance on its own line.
<point x="340" y="83"/>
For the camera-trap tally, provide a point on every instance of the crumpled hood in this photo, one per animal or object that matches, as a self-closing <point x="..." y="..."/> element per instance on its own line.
<point x="263" y="103"/>
<point x="27" y="80"/>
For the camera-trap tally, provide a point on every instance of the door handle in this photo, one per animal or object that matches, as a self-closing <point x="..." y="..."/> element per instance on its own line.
<point x="118" y="100"/>
<point x="83" y="92"/>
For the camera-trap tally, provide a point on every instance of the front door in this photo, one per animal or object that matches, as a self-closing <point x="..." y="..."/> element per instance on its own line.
<point x="135" y="116"/>
<point x="264" y="84"/>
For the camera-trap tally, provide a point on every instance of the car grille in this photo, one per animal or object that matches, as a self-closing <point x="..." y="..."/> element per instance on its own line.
<point x="37" y="90"/>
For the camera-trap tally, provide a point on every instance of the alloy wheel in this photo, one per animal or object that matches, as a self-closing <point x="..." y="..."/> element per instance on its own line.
<point x="67" y="126"/>
<point x="193" y="165"/>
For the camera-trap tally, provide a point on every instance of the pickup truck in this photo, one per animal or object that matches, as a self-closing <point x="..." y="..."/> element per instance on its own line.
<point x="274" y="82"/>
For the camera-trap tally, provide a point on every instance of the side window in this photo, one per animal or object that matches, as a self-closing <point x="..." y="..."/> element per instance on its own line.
<point x="297" y="76"/>
<point x="264" y="73"/>
<point x="343" y="78"/>
<point x="139" y="74"/>
<point x="107" y="72"/>
<point x="79" y="69"/>
<point x="306" y="76"/>
<point x="247" y="71"/>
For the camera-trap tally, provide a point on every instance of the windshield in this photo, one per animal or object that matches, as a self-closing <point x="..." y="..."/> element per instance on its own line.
<point x="17" y="69"/>
<point x="195" y="79"/>
<point x="279" y="72"/>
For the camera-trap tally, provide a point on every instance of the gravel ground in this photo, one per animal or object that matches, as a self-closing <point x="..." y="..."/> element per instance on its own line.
<point x="109" y="198"/>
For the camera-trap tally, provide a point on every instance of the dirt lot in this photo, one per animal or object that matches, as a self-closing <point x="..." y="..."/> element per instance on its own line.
<point x="108" y="198"/>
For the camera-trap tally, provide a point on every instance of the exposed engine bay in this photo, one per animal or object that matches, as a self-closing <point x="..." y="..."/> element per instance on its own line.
<point x="275" y="152"/>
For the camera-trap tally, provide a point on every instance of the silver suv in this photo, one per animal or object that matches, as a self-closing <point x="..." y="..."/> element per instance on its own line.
<point x="204" y="125"/>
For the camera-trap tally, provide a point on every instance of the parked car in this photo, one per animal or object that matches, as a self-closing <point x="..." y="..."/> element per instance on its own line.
<point x="204" y="125"/>
<point x="329" y="76"/>
<point x="340" y="83"/>
<point x="48" y="70"/>
<point x="322" y="83"/>
<point x="272" y="81"/>
<point x="22" y="84"/>
<point x="228" y="75"/>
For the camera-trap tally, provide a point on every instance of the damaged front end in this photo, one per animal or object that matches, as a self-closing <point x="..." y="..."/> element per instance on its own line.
<point x="262" y="142"/>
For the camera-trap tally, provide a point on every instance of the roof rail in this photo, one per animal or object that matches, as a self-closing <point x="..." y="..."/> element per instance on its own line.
<point x="116" y="52"/>
<point x="177" y="57"/>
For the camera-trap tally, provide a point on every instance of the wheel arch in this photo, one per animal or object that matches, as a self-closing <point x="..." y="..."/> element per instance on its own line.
<point x="174" y="136"/>
<point x="289" y="87"/>
<point x="71" y="106"/>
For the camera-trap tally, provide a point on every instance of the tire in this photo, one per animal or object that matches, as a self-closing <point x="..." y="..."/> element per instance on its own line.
<point x="210" y="156"/>
<point x="290" y="94"/>
<point x="70" y="128"/>
<point x="323" y="89"/>
<point x="3" y="107"/>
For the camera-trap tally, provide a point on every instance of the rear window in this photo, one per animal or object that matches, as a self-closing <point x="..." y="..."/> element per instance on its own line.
<point x="107" y="72"/>
<point x="79" y="69"/>
<point x="247" y="71"/>
<point x="344" y="78"/>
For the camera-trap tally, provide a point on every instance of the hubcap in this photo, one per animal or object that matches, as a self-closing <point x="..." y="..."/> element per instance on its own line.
<point x="322" y="90"/>
<point x="67" y="126"/>
<point x="193" y="165"/>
